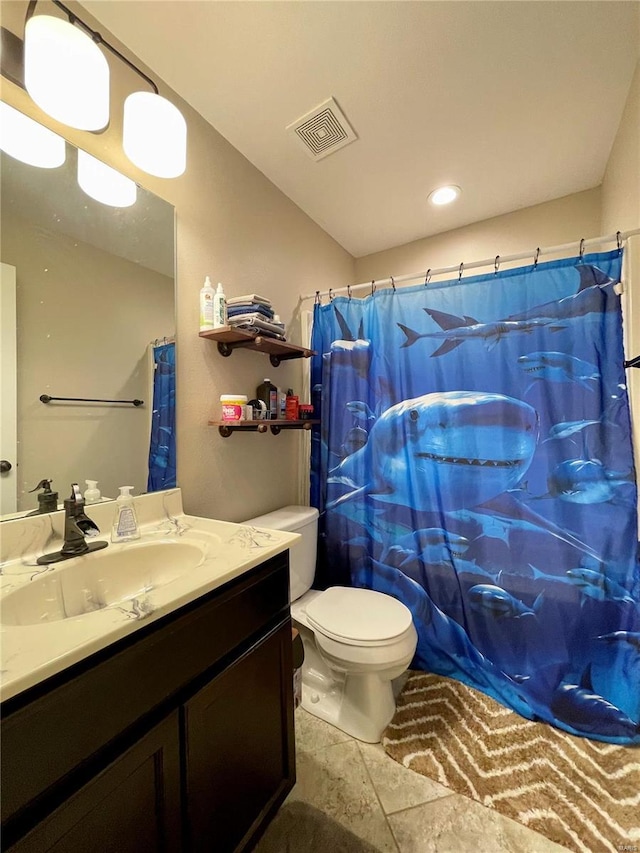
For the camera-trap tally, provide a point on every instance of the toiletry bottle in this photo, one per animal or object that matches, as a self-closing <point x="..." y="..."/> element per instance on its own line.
<point x="92" y="494"/>
<point x="125" y="523"/>
<point x="291" y="409"/>
<point x="207" y="294"/>
<point x="268" y="393"/>
<point x="219" y="308"/>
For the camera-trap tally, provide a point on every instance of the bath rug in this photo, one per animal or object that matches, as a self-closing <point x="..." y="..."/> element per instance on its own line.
<point x="582" y="794"/>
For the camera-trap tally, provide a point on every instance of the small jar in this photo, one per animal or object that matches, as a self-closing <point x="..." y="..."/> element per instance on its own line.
<point x="305" y="411"/>
<point x="233" y="406"/>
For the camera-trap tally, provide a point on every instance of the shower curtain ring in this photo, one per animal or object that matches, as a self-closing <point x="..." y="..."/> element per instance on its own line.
<point x="581" y="248"/>
<point x="619" y="241"/>
<point x="349" y="291"/>
<point x="393" y="284"/>
<point x="330" y="294"/>
<point x="427" y="277"/>
<point x="373" y="286"/>
<point x="460" y="271"/>
<point x="318" y="301"/>
<point x="535" y="258"/>
<point x="496" y="265"/>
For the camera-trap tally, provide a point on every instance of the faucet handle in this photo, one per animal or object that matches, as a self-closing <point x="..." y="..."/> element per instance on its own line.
<point x="76" y="494"/>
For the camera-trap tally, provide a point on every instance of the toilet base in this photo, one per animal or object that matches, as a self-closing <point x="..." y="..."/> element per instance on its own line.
<point x="359" y="705"/>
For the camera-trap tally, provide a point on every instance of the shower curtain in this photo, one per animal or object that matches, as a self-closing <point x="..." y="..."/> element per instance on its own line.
<point x="474" y="460"/>
<point x="162" y="449"/>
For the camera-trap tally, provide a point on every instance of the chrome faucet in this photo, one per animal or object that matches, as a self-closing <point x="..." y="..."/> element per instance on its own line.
<point x="77" y="525"/>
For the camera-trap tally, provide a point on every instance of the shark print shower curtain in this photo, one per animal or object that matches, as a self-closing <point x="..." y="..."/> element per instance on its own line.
<point x="474" y="460"/>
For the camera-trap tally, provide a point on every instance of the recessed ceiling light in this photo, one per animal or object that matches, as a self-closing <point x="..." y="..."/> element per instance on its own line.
<point x="445" y="195"/>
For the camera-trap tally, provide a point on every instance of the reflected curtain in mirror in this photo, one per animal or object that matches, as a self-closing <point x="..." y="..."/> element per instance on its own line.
<point x="162" y="450"/>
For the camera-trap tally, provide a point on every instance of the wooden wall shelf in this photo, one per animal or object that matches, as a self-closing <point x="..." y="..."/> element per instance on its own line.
<point x="229" y="339"/>
<point x="225" y="428"/>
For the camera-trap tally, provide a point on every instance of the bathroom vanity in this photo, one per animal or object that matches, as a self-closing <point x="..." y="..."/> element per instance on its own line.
<point x="174" y="734"/>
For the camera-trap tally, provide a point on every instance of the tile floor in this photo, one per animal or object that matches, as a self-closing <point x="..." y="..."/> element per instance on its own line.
<point x="351" y="797"/>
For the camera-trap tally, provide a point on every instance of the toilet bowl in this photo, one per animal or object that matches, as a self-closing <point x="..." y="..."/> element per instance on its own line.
<point x="356" y="641"/>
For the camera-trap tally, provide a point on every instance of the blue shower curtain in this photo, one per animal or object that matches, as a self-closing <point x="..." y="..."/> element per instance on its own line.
<point x="474" y="460"/>
<point x="162" y="450"/>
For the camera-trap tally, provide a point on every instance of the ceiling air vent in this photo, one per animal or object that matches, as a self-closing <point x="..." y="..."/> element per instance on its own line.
<point x="323" y="130"/>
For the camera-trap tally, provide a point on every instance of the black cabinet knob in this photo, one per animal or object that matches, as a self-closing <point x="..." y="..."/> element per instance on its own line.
<point x="4" y="466"/>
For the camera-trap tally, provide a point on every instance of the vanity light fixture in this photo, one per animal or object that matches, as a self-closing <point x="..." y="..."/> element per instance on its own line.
<point x="103" y="183"/>
<point x="27" y="141"/>
<point x="66" y="74"/>
<point x="154" y="135"/>
<point x="445" y="195"/>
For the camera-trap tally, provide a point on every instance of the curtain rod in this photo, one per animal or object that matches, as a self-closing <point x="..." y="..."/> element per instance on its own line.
<point x="618" y="238"/>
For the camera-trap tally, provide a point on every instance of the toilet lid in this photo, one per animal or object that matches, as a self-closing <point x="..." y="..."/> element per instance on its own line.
<point x="363" y="615"/>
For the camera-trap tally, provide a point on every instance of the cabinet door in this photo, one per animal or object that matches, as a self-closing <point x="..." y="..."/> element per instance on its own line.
<point x="133" y="805"/>
<point x="240" y="761"/>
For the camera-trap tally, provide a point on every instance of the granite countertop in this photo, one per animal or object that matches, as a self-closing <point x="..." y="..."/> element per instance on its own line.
<point x="35" y="645"/>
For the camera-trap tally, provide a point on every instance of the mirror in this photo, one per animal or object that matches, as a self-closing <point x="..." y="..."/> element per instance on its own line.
<point x="94" y="291"/>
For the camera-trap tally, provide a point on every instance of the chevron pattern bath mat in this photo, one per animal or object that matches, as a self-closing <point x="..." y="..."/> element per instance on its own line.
<point x="579" y="793"/>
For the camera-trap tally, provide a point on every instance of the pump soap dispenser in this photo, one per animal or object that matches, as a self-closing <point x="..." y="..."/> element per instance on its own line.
<point x="125" y="524"/>
<point x="92" y="492"/>
<point x="47" y="500"/>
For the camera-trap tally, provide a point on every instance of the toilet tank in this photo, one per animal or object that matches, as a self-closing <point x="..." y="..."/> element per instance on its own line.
<point x="302" y="558"/>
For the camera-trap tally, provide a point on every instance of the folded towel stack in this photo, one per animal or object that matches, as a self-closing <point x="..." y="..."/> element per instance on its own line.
<point x="254" y="313"/>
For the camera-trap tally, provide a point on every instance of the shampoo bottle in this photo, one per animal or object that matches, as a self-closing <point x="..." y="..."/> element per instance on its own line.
<point x="207" y="294"/>
<point x="125" y="524"/>
<point x="219" y="308"/>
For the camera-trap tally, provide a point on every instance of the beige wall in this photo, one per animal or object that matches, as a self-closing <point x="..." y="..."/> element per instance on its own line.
<point x="235" y="226"/>
<point x="550" y="224"/>
<point x="621" y="184"/>
<point x="621" y="212"/>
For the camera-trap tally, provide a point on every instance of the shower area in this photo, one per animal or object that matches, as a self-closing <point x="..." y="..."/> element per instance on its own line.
<point x="475" y="461"/>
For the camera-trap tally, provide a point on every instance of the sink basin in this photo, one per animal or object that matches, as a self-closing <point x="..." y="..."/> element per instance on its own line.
<point x="116" y="576"/>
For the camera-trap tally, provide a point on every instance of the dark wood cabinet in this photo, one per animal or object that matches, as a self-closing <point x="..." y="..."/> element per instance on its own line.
<point x="237" y="755"/>
<point x="178" y="738"/>
<point x="131" y="806"/>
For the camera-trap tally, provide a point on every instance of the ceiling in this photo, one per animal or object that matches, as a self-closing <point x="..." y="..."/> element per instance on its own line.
<point x="516" y="102"/>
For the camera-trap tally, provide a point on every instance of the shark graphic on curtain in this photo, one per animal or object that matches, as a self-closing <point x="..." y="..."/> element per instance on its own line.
<point x="474" y="460"/>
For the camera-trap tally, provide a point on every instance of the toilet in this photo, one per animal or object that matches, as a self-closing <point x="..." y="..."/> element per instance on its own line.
<point x="357" y="642"/>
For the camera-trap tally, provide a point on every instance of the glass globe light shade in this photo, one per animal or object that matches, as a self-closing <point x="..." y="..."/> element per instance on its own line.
<point x="28" y="141"/>
<point x="66" y="73"/>
<point x="105" y="184"/>
<point x="154" y="135"/>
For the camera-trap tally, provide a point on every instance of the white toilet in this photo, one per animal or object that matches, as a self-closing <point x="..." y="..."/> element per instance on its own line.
<point x="356" y="641"/>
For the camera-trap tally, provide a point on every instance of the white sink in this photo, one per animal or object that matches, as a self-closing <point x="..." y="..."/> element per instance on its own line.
<point x="108" y="578"/>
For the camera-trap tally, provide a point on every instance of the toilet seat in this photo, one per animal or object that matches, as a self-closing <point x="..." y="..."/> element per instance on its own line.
<point x="358" y="617"/>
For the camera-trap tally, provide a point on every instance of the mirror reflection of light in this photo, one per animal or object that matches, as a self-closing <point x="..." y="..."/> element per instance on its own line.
<point x="154" y="135"/>
<point x="105" y="184"/>
<point x="29" y="142"/>
<point x="66" y="73"/>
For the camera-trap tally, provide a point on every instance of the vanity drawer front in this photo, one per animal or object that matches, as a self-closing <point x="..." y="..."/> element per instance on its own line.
<point x="146" y="675"/>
